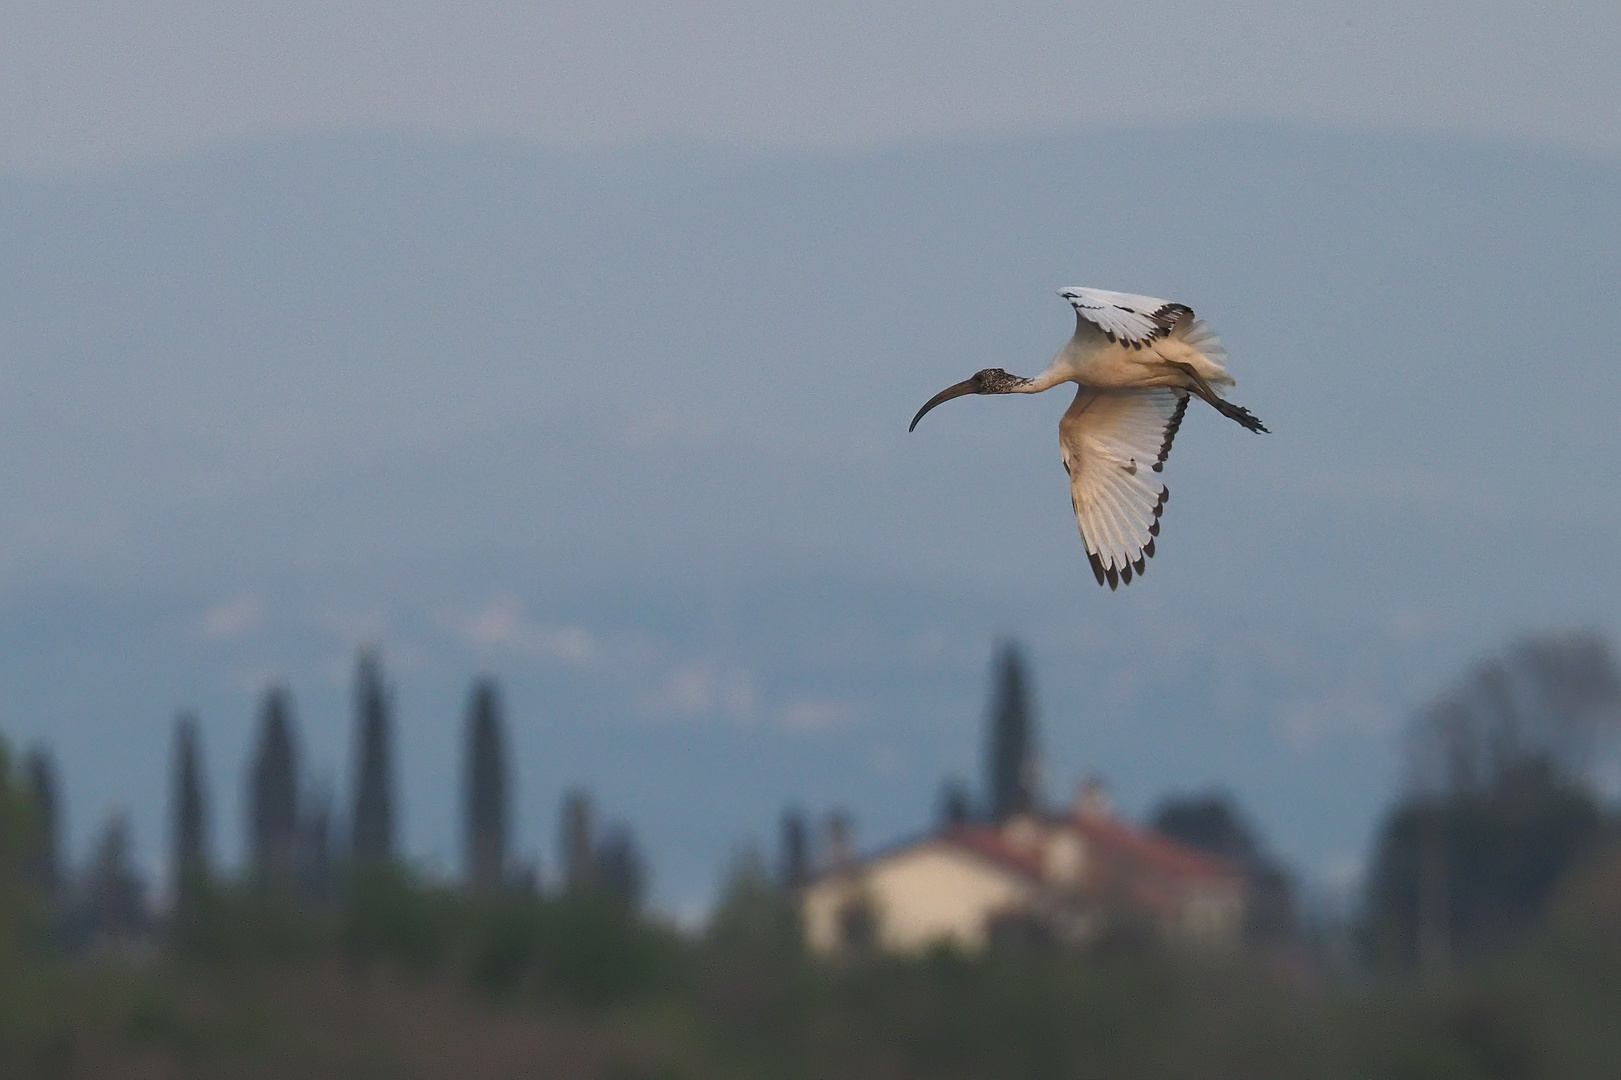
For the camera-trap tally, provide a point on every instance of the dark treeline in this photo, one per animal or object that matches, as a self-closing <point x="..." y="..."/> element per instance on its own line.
<point x="299" y="855"/>
<point x="1487" y="944"/>
<point x="1501" y="802"/>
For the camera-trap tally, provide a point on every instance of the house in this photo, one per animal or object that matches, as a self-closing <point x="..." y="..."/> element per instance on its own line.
<point x="1059" y="877"/>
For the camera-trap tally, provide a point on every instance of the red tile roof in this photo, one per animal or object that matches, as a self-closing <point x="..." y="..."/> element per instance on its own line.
<point x="990" y="844"/>
<point x="1156" y="849"/>
<point x="1112" y="837"/>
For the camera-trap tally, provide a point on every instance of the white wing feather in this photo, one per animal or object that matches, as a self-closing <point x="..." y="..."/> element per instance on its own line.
<point x="1126" y="316"/>
<point x="1114" y="444"/>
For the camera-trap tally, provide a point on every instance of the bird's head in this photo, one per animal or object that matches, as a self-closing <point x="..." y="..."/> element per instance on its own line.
<point x="990" y="381"/>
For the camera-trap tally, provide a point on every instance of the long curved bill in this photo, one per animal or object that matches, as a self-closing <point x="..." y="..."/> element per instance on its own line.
<point x="967" y="386"/>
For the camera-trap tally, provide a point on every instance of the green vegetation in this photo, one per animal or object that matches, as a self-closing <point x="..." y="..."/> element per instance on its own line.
<point x="21" y="905"/>
<point x="401" y="980"/>
<point x="398" y="978"/>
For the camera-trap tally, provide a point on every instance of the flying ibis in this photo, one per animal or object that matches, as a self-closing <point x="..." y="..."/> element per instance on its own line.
<point x="1135" y="361"/>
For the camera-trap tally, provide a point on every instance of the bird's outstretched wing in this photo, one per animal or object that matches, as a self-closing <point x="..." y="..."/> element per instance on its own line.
<point x="1114" y="444"/>
<point x="1124" y="317"/>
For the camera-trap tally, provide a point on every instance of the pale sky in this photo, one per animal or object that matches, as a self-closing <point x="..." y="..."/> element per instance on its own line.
<point x="99" y="83"/>
<point x="629" y="432"/>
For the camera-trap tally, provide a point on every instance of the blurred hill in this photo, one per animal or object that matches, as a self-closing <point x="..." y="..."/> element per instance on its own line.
<point x="628" y="431"/>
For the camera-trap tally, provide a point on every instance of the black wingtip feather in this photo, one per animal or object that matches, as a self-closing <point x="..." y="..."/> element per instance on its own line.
<point x="1171" y="428"/>
<point x="1097" y="566"/>
<point x="1114" y="579"/>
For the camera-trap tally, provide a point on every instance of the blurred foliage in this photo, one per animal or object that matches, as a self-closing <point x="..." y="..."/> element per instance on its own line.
<point x="1494" y="853"/>
<point x="21" y="907"/>
<point x="387" y="916"/>
<point x="1213" y="823"/>
<point x="1553" y="698"/>
<point x="237" y="924"/>
<point x="401" y="978"/>
<point x="1501" y="769"/>
<point x="751" y="976"/>
<point x="585" y="947"/>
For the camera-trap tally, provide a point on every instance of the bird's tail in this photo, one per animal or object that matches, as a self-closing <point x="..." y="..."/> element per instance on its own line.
<point x="1197" y="335"/>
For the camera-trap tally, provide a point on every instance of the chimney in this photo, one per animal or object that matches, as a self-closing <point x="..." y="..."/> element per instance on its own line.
<point x="1092" y="799"/>
<point x="840" y="844"/>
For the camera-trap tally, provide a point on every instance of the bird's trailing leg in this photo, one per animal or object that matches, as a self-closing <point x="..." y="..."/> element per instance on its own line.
<point x="1220" y="404"/>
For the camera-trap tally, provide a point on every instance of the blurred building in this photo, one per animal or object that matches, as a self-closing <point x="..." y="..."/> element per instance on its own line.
<point x="1060" y="878"/>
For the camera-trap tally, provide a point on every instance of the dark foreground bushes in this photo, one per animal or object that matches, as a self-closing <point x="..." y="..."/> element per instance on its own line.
<point x="395" y="978"/>
<point x="584" y="948"/>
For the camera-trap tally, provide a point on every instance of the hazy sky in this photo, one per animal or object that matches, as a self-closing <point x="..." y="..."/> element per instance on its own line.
<point x="92" y="82"/>
<point x="628" y="430"/>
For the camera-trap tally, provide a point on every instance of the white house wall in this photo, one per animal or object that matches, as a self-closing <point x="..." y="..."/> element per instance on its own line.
<point x="919" y="897"/>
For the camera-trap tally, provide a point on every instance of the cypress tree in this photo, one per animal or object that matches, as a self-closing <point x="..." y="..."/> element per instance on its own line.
<point x="579" y="855"/>
<point x="619" y="868"/>
<point x="314" y="853"/>
<point x="273" y="799"/>
<point x="43" y="863"/>
<point x="795" y="849"/>
<point x="373" y="839"/>
<point x="1011" y="760"/>
<point x="190" y="840"/>
<point x="117" y="895"/>
<point x="484" y="789"/>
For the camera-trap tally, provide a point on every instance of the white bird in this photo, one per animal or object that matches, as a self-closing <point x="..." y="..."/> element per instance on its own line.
<point x="1135" y="360"/>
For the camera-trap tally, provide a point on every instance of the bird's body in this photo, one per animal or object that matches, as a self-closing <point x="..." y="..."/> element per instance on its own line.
<point x="1136" y="354"/>
<point x="1135" y="360"/>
